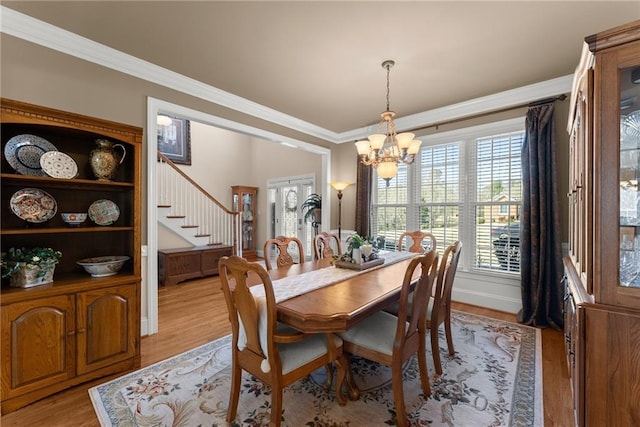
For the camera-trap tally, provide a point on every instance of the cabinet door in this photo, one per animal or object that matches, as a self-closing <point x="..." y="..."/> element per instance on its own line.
<point x="38" y="344"/>
<point x="107" y="330"/>
<point x="580" y="176"/>
<point x="618" y="147"/>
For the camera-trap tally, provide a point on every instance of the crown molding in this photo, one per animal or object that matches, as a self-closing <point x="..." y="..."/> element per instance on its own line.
<point x="485" y="104"/>
<point x="41" y="33"/>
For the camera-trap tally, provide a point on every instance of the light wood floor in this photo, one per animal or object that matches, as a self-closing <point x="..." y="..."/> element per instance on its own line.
<point x="194" y="313"/>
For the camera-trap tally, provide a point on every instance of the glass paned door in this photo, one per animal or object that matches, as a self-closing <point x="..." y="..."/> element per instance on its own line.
<point x="286" y="219"/>
<point x="629" y="175"/>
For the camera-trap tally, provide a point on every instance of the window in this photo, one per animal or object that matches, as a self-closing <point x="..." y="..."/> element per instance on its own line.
<point x="464" y="185"/>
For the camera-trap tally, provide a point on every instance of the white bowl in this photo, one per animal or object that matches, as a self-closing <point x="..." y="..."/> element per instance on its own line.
<point x="103" y="265"/>
<point x="74" y="219"/>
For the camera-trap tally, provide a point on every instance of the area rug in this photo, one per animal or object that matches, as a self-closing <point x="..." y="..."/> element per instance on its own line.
<point x="494" y="379"/>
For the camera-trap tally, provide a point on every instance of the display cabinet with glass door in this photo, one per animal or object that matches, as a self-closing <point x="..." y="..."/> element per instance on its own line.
<point x="244" y="201"/>
<point x="602" y="271"/>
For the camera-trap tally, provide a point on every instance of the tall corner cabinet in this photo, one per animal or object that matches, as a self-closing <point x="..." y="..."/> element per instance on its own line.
<point x="245" y="200"/>
<point x="602" y="268"/>
<point x="79" y="327"/>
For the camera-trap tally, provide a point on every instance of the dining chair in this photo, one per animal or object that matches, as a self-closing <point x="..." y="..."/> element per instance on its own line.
<point x="439" y="306"/>
<point x="392" y="340"/>
<point x="326" y="245"/>
<point x="270" y="351"/>
<point x="283" y="258"/>
<point x="416" y="238"/>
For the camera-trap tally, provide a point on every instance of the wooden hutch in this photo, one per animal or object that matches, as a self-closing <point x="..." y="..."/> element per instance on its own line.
<point x="602" y="270"/>
<point x="79" y="327"/>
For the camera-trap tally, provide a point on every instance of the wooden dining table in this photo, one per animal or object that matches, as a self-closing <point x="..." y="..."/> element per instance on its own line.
<point x="338" y="306"/>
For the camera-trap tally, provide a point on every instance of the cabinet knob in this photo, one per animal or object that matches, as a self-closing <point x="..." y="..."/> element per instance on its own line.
<point x="71" y="333"/>
<point x="82" y="331"/>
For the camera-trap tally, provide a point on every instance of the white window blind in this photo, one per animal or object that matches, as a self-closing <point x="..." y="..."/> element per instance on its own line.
<point x="465" y="185"/>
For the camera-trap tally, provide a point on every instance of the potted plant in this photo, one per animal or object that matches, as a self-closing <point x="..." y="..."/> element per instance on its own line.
<point x="312" y="209"/>
<point x="30" y="267"/>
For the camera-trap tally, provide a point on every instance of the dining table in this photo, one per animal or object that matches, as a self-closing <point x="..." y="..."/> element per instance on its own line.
<point x="319" y="297"/>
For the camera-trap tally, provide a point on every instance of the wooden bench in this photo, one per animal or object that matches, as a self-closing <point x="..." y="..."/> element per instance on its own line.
<point x="178" y="265"/>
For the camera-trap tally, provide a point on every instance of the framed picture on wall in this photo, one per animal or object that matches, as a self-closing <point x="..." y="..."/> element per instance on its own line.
<point x="174" y="139"/>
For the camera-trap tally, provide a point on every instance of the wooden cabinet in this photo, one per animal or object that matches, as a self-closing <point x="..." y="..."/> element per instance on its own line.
<point x="177" y="265"/>
<point x="79" y="327"/>
<point x="602" y="270"/>
<point x="49" y="344"/>
<point x="245" y="201"/>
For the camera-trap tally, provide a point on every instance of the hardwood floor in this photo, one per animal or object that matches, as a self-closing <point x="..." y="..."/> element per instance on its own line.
<point x="194" y="313"/>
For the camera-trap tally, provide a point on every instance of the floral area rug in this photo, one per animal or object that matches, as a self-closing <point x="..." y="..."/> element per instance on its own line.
<point x="494" y="379"/>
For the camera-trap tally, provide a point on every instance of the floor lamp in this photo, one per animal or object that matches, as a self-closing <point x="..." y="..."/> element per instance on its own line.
<point x="339" y="186"/>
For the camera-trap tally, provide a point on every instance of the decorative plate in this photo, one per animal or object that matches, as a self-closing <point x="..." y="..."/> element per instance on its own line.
<point x="104" y="212"/>
<point x="23" y="153"/>
<point x="58" y="165"/>
<point x="33" y="205"/>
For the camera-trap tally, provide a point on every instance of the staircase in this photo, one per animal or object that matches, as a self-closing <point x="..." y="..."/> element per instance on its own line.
<point x="189" y="211"/>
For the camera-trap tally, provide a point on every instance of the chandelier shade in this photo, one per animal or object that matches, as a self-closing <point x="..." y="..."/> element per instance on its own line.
<point x="387" y="148"/>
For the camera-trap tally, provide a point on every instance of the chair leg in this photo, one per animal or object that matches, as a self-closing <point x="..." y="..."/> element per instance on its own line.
<point x="435" y="350"/>
<point x="329" y="380"/>
<point x="398" y="395"/>
<point x="422" y="365"/>
<point x="276" y="406"/>
<point x="342" y="365"/>
<point x="234" y="393"/>
<point x="447" y="330"/>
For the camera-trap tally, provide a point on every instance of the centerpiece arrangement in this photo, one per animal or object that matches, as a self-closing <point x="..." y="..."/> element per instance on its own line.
<point x="30" y="267"/>
<point x="361" y="253"/>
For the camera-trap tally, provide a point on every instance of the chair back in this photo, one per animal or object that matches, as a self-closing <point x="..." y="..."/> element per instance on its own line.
<point x="414" y="312"/>
<point x="253" y="320"/>
<point x="326" y="245"/>
<point x="284" y="257"/>
<point x="415" y="245"/>
<point x="444" y="283"/>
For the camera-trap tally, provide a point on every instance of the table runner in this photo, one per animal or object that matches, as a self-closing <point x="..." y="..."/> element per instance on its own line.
<point x="292" y="286"/>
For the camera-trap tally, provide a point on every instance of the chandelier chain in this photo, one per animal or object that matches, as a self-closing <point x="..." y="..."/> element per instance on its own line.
<point x="388" y="67"/>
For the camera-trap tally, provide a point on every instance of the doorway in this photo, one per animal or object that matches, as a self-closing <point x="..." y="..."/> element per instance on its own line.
<point x="149" y="309"/>
<point x="284" y="198"/>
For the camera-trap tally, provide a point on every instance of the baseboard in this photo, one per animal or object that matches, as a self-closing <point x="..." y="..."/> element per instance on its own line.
<point x="498" y="293"/>
<point x="144" y="328"/>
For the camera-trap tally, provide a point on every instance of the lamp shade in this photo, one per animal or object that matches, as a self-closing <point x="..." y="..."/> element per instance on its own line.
<point x="340" y="185"/>
<point x="387" y="169"/>
<point x="404" y="140"/>
<point x="414" y="147"/>
<point x="377" y="140"/>
<point x="363" y="147"/>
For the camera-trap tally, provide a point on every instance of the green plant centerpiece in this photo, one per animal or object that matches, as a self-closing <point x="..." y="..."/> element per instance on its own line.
<point x="30" y="267"/>
<point x="311" y="209"/>
<point x="358" y="246"/>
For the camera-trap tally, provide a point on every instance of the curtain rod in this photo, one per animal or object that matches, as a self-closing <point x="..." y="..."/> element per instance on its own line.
<point x="488" y="113"/>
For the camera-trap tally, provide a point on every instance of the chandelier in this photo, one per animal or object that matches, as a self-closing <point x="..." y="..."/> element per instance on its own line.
<point x="387" y="148"/>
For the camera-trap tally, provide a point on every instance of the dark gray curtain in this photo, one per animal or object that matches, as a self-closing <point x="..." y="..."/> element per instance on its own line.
<point x="363" y="200"/>
<point x="540" y="241"/>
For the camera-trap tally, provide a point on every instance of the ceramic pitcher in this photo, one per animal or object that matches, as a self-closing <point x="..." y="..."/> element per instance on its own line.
<point x="104" y="159"/>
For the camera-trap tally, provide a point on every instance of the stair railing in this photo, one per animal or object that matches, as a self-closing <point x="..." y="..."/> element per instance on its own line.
<point x="187" y="199"/>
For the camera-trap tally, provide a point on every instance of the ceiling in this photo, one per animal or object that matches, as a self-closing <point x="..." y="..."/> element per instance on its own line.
<point x="320" y="62"/>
